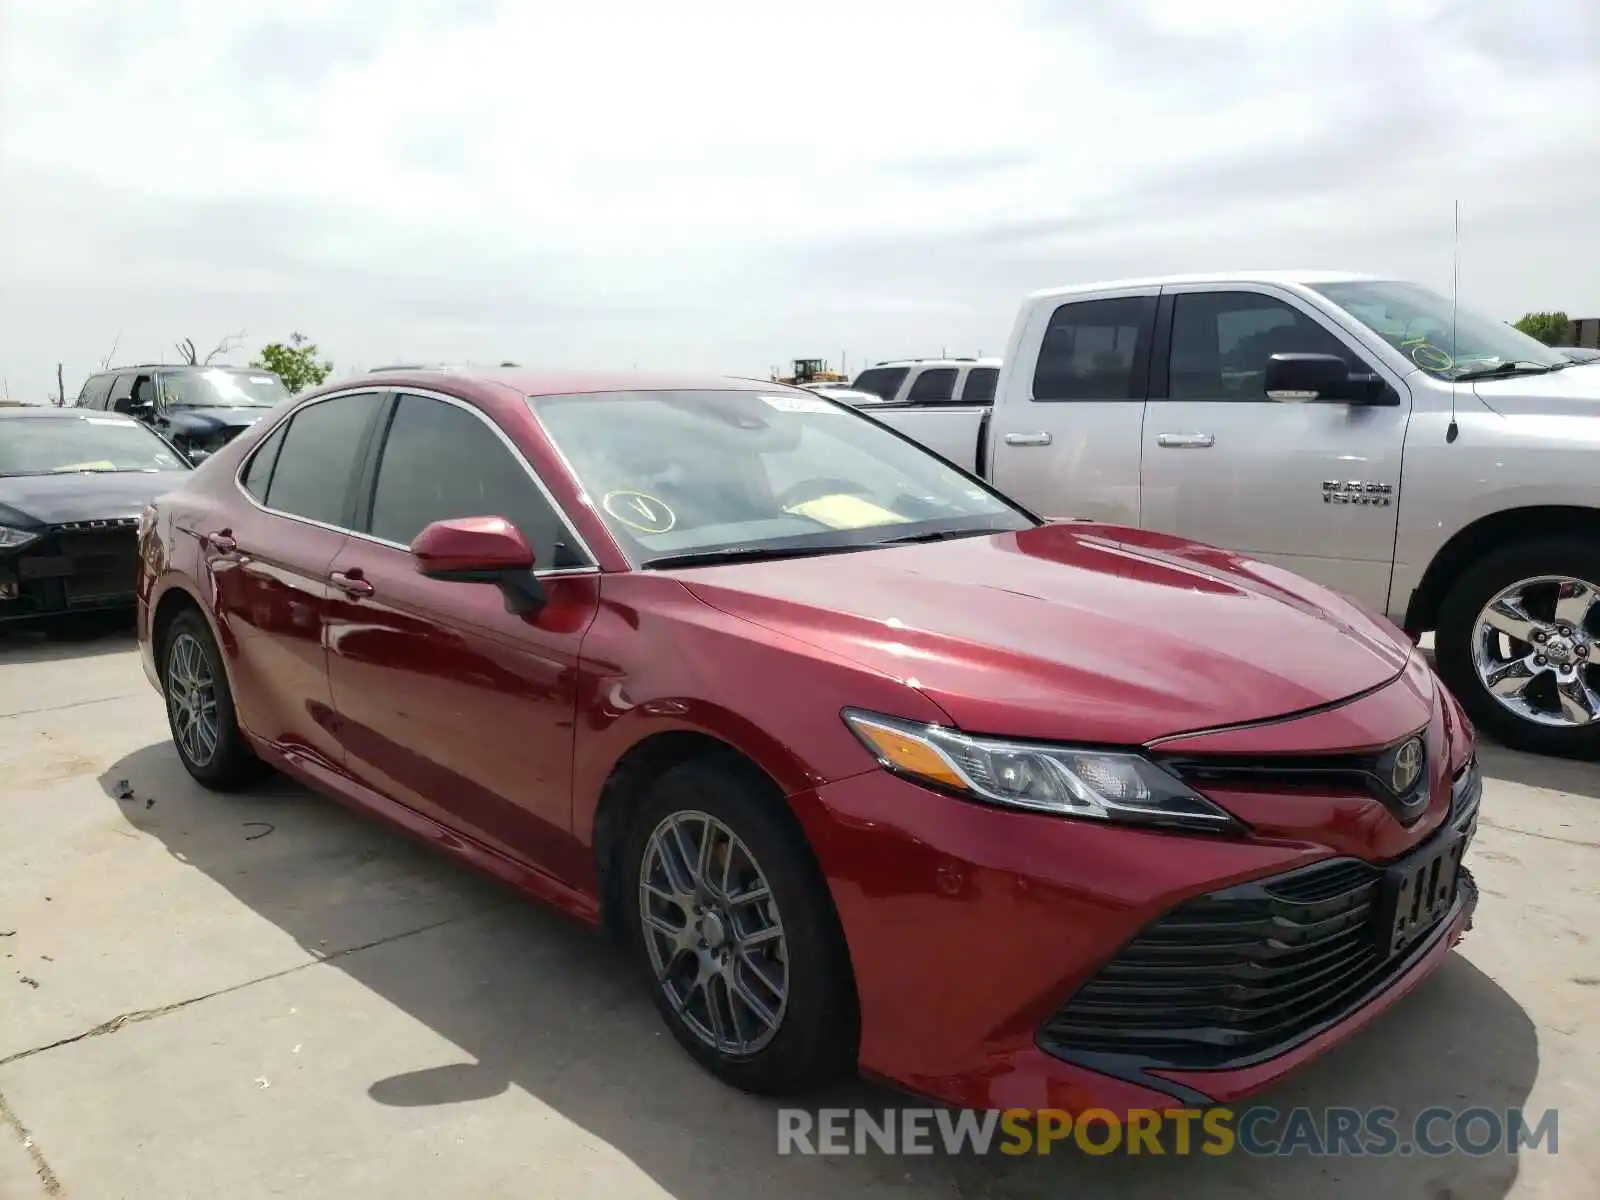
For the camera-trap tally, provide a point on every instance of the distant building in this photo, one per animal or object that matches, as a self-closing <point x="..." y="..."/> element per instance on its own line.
<point x="1585" y="331"/>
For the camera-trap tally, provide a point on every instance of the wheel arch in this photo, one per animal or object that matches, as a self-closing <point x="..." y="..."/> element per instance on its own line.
<point x="1484" y="536"/>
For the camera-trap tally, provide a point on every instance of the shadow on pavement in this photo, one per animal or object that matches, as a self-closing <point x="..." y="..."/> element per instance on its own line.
<point x="538" y="1003"/>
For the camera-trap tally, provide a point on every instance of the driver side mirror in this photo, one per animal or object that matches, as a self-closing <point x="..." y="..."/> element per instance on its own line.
<point x="481" y="550"/>
<point x="1302" y="378"/>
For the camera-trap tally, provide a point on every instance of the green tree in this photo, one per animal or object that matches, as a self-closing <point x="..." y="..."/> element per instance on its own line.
<point x="295" y="363"/>
<point x="1551" y="328"/>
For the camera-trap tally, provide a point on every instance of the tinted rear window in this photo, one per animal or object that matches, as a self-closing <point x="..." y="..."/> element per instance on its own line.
<point x="881" y="381"/>
<point x="979" y="387"/>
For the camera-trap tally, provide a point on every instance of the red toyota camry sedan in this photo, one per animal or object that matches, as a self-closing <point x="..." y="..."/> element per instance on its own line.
<point x="866" y="765"/>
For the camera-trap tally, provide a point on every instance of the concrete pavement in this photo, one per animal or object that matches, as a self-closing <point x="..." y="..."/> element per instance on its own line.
<point x="265" y="995"/>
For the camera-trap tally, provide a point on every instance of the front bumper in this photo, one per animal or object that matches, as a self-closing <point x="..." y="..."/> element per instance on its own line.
<point x="74" y="567"/>
<point x="973" y="931"/>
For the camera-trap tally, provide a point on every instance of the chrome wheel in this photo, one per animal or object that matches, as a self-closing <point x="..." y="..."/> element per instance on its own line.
<point x="192" y="700"/>
<point x="1534" y="648"/>
<point x="713" y="933"/>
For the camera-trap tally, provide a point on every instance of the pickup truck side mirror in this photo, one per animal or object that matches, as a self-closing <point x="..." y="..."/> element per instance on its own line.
<point x="1299" y="378"/>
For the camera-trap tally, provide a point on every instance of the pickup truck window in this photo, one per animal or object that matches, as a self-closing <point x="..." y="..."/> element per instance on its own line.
<point x="1096" y="350"/>
<point x="979" y="387"/>
<point x="1221" y="342"/>
<point x="1429" y="330"/>
<point x="934" y="386"/>
<point x="881" y="381"/>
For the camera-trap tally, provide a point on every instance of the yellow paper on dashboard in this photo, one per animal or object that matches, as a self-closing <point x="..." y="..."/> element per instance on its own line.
<point x="847" y="512"/>
<point x="98" y="465"/>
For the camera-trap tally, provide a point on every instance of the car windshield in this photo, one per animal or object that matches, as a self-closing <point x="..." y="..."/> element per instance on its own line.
<point x="58" y="445"/>
<point x="685" y="475"/>
<point x="1428" y="329"/>
<point x="223" y="389"/>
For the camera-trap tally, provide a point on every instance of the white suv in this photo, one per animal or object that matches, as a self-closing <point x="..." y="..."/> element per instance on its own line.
<point x="931" y="380"/>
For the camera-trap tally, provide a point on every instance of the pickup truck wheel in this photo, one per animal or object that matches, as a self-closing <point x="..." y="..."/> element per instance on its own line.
<point x="742" y="950"/>
<point x="1519" y="644"/>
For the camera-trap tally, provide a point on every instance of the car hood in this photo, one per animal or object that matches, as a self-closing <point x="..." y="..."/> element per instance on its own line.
<point x="1571" y="391"/>
<point x="1074" y="631"/>
<point x="31" y="500"/>
<point x="209" y="420"/>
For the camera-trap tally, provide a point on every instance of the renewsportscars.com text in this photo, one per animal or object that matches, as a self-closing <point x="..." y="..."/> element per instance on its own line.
<point x="1260" y="1130"/>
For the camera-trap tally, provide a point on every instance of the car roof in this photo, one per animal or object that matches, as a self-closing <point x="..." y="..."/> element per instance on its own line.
<point x="1307" y="278"/>
<point x="534" y="382"/>
<point x="936" y="362"/>
<point x="123" y="370"/>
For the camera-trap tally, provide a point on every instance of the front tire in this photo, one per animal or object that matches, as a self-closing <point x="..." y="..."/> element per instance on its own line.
<point x="200" y="710"/>
<point x="1518" y="643"/>
<point x="734" y="925"/>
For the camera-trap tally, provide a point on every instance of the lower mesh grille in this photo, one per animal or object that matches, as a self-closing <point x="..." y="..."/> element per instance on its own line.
<point x="1243" y="972"/>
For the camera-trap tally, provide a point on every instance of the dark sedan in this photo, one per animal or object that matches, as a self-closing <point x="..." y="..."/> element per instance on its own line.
<point x="72" y="486"/>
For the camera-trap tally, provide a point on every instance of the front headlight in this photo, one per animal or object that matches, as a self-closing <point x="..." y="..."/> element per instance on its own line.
<point x="1105" y="785"/>
<point x="15" y="539"/>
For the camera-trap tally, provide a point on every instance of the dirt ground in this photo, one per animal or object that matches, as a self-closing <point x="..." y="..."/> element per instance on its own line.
<point x="265" y="995"/>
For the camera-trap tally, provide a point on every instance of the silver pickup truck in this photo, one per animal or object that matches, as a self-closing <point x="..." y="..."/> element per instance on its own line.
<point x="1435" y="465"/>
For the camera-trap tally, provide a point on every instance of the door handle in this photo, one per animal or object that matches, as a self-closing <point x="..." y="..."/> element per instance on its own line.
<point x="352" y="583"/>
<point x="222" y="541"/>
<point x="1027" y="439"/>
<point x="1186" y="441"/>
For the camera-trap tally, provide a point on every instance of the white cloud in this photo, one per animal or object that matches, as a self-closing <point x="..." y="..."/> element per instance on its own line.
<point x="727" y="184"/>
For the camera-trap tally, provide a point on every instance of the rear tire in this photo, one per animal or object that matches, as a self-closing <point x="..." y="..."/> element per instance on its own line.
<point x="709" y="937"/>
<point x="200" y="710"/>
<point x="1534" y="692"/>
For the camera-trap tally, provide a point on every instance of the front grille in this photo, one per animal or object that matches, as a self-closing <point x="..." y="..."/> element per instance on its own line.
<point x="1371" y="773"/>
<point x="1244" y="973"/>
<point x="76" y="564"/>
<point x="102" y="558"/>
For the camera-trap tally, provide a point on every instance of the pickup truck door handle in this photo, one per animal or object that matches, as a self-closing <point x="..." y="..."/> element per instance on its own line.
<point x="1027" y="439"/>
<point x="352" y="583"/>
<point x="1186" y="441"/>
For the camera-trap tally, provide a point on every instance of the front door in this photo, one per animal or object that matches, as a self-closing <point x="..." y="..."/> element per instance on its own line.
<point x="1224" y="464"/>
<point x="447" y="702"/>
<point x="1065" y="441"/>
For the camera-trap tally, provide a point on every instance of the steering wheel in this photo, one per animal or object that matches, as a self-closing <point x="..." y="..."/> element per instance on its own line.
<point x="814" y="489"/>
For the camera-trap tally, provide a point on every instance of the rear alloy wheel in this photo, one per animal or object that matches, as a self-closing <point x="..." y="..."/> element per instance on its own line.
<point x="1519" y="640"/>
<point x="735" y="926"/>
<point x="200" y="707"/>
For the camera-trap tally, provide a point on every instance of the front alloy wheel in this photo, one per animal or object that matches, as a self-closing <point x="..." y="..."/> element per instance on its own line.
<point x="736" y="932"/>
<point x="713" y="934"/>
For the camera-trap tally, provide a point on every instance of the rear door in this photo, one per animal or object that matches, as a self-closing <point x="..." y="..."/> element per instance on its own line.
<point x="447" y="702"/>
<point x="1225" y="464"/>
<point x="1064" y="439"/>
<point x="269" y="559"/>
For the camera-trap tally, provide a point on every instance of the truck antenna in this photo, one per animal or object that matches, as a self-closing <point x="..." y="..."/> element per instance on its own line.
<point x="1454" y="430"/>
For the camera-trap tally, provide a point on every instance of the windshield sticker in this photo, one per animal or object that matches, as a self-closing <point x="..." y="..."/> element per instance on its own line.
<point x="800" y="404"/>
<point x="1427" y="356"/>
<point x="269" y="380"/>
<point x="641" y="511"/>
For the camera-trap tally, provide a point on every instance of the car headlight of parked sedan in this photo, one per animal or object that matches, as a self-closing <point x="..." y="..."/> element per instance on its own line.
<point x="15" y="539"/>
<point x="1105" y="785"/>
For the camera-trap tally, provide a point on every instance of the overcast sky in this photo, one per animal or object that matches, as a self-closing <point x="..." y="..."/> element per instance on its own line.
<point x="729" y="184"/>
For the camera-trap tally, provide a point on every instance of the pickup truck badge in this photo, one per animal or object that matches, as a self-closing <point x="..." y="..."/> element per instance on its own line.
<point x="1356" y="491"/>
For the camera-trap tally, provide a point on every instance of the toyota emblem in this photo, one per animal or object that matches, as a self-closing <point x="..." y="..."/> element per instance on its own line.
<point x="1407" y="767"/>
